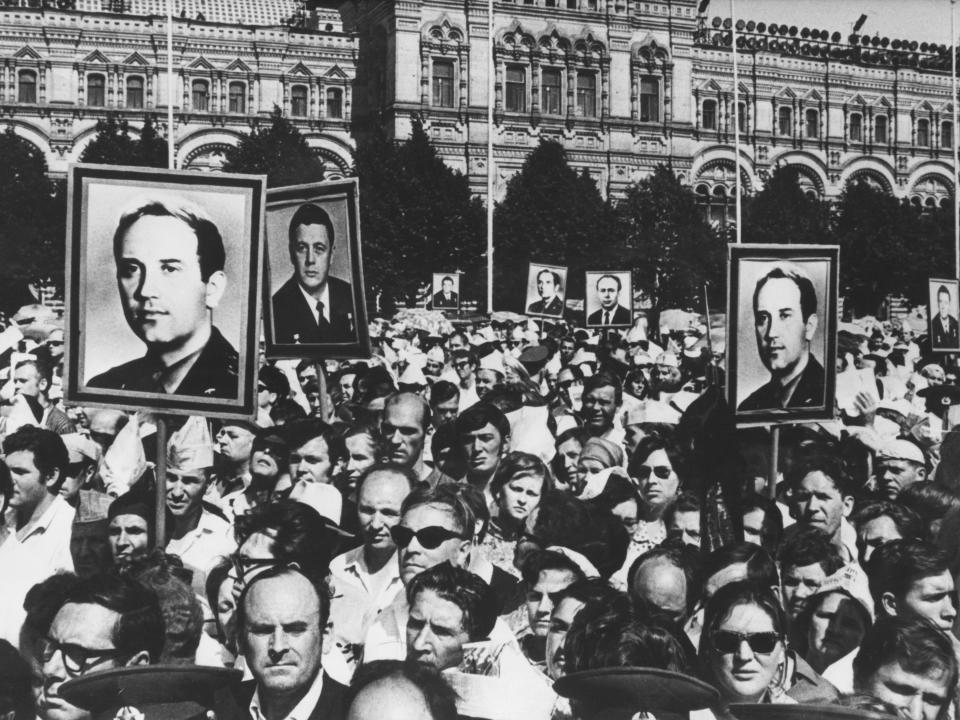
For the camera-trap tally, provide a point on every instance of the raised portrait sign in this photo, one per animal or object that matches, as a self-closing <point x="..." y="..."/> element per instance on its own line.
<point x="446" y="291"/>
<point x="546" y="290"/>
<point x="609" y="299"/>
<point x="942" y="310"/>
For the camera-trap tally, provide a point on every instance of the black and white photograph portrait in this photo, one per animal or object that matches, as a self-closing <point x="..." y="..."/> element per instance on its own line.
<point x="609" y="299"/>
<point x="164" y="272"/>
<point x="942" y="310"/>
<point x="314" y="293"/>
<point x="546" y="290"/>
<point x="782" y="332"/>
<point x="446" y="291"/>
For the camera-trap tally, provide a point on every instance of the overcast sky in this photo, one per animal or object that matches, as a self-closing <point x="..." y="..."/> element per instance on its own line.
<point x="918" y="20"/>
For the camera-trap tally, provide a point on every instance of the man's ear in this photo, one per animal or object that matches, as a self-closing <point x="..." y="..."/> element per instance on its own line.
<point x="847" y="505"/>
<point x="216" y="287"/>
<point x="52" y="478"/>
<point x="141" y="658"/>
<point x="889" y="603"/>
<point x="810" y="327"/>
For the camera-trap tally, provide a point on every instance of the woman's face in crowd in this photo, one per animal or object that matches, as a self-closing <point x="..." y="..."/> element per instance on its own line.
<point x="520" y="496"/>
<point x="586" y="467"/>
<point x="836" y="628"/>
<point x="743" y="672"/>
<point x="567" y="454"/>
<point x="361" y="454"/>
<point x="657" y="491"/>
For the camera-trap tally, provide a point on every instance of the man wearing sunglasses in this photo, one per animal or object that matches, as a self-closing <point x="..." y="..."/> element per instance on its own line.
<point x="105" y="622"/>
<point x="465" y="364"/>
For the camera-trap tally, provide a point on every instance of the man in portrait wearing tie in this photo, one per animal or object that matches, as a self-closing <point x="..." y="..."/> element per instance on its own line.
<point x="610" y="312"/>
<point x="312" y="307"/>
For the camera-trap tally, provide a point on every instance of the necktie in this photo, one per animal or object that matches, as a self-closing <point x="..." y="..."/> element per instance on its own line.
<point x="606" y="317"/>
<point x="321" y="320"/>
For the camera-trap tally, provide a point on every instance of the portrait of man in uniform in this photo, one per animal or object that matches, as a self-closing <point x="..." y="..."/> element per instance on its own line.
<point x="446" y="294"/>
<point x="608" y="296"/>
<point x="164" y="267"/>
<point x="785" y="320"/>
<point x="943" y="310"/>
<point x="545" y="290"/>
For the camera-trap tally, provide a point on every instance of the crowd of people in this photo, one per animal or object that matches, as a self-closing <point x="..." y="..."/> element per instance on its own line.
<point x="498" y="519"/>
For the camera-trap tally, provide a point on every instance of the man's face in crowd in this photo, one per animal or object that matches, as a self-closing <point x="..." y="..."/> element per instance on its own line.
<point x="433" y="368"/>
<point x="84" y="631"/>
<point x="464" y="367"/>
<point x="599" y="406"/>
<point x="310" y="252"/>
<point x="799" y="585"/>
<point x="482" y="449"/>
<point x="896" y="475"/>
<point x="129" y="537"/>
<point x="874" y="533"/>
<point x="415" y="558"/>
<point x="446" y="411"/>
<point x="313" y="461"/>
<point x="915" y="696"/>
<point x="568" y="452"/>
<point x="542" y="598"/>
<point x="686" y="526"/>
<point x="458" y="342"/>
<point x="378" y="507"/>
<point x="55" y="343"/>
<point x="563" y="615"/>
<point x="29" y="484"/>
<point x="783" y="336"/>
<point x="234" y="443"/>
<point x="165" y="300"/>
<point x="546" y="286"/>
<point x="836" y="627"/>
<point x="661" y="584"/>
<point x="487" y="380"/>
<point x="103" y="427"/>
<point x="282" y="634"/>
<point x="933" y="597"/>
<point x="753" y="526"/>
<point x="567" y="349"/>
<point x="404" y="429"/>
<point x="26" y="381"/>
<point x="435" y="631"/>
<point x="943" y="303"/>
<point x="392" y="698"/>
<point x="608" y="292"/>
<point x="346" y="386"/>
<point x="185" y="493"/>
<point x="818" y="502"/>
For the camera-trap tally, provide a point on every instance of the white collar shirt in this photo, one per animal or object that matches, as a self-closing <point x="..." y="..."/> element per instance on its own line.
<point x="303" y="708"/>
<point x="312" y="302"/>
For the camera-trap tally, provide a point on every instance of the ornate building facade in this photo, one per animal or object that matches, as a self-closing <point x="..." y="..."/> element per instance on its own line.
<point x="67" y="63"/>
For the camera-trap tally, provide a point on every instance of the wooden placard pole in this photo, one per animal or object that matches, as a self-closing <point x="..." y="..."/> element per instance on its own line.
<point x="774" y="462"/>
<point x="160" y="499"/>
<point x="325" y="410"/>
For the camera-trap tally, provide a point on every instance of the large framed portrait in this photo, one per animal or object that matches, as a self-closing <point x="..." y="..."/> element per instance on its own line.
<point x="782" y="332"/>
<point x="163" y="281"/>
<point x="609" y="299"/>
<point x="445" y="293"/>
<point x="313" y="300"/>
<point x="943" y="309"/>
<point x="546" y="290"/>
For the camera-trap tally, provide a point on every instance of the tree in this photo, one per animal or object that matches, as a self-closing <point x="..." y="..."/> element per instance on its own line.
<point x="32" y="216"/>
<point x="113" y="145"/>
<point x="417" y="217"/>
<point x="783" y="213"/>
<point x="279" y="151"/>
<point x="552" y="215"/>
<point x="673" y="250"/>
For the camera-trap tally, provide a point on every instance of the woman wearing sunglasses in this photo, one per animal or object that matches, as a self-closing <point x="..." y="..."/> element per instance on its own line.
<point x="743" y="647"/>
<point x="654" y="469"/>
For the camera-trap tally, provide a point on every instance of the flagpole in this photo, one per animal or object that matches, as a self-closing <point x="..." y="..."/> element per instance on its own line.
<point x="953" y="84"/>
<point x="736" y="116"/>
<point x="491" y="89"/>
<point x="171" y="156"/>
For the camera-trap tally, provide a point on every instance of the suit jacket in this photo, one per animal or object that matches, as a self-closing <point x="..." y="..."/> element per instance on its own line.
<point x="440" y="302"/>
<point x="293" y="319"/>
<point x="330" y="706"/>
<point x="214" y="374"/>
<point x="808" y="393"/>
<point x="620" y="316"/>
<point x="945" y="337"/>
<point x="554" y="307"/>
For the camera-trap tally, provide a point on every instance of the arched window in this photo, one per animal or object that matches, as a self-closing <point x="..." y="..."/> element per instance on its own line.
<point x="880" y="129"/>
<point x="812" y="124"/>
<point x="298" y="101"/>
<point x="27" y="86"/>
<point x="96" y="90"/>
<point x="856" y="127"/>
<point x="649" y="99"/>
<point x="334" y="103"/>
<point x="709" y="115"/>
<point x="443" y="83"/>
<point x="201" y="95"/>
<point x="923" y="132"/>
<point x="238" y="97"/>
<point x="134" y="92"/>
<point x="785" y="121"/>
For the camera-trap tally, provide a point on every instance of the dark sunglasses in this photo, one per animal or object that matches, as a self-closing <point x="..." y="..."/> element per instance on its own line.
<point x="430" y="538"/>
<point x="762" y="643"/>
<point x="661" y="471"/>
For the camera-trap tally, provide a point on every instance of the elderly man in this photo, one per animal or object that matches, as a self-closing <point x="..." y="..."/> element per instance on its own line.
<point x="900" y="464"/>
<point x="406" y="417"/>
<point x="170" y="272"/>
<point x="312" y="307"/>
<point x="785" y="321"/>
<point x="281" y="614"/>
<point x="400" y="690"/>
<point x="820" y="495"/>
<point x="105" y="622"/>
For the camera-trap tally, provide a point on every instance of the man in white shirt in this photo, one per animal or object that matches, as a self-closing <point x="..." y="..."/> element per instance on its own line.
<point x="39" y="545"/>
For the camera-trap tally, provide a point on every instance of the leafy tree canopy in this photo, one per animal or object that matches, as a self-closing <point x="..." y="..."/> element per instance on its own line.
<point x="278" y="151"/>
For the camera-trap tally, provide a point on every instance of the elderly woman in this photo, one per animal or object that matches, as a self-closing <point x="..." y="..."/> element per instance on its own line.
<point x="743" y="647"/>
<point x="597" y="454"/>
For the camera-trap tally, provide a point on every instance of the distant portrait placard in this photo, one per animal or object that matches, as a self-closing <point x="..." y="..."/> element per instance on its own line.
<point x="446" y="291"/>
<point x="609" y="299"/>
<point x="546" y="290"/>
<point x="943" y="309"/>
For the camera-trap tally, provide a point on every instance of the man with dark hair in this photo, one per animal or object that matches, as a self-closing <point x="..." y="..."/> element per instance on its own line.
<point x="32" y="379"/>
<point x="545" y="575"/>
<point x="465" y="363"/>
<point x="602" y="397"/>
<point x="317" y="449"/>
<point x="909" y="663"/>
<point x="106" y="621"/>
<point x="912" y="577"/>
<point x="820" y="494"/>
<point x="806" y="559"/>
<point x="449" y="606"/>
<point x="272" y="387"/>
<point x="312" y="307"/>
<point x="610" y="312"/>
<point x="400" y="690"/>
<point x="444" y="402"/>
<point x="785" y="321"/>
<point x="483" y="433"/>
<point x="682" y="519"/>
<point x="170" y="262"/>
<point x="878" y="523"/>
<point x="944" y="329"/>
<point x="281" y="615"/>
<point x="446" y="297"/>
<point x="39" y="543"/>
<point x="549" y="290"/>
